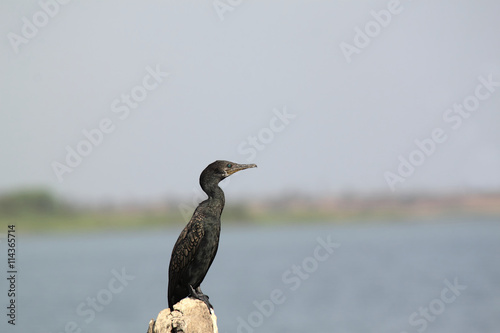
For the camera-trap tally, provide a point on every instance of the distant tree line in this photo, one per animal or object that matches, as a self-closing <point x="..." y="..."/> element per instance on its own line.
<point x="31" y="201"/>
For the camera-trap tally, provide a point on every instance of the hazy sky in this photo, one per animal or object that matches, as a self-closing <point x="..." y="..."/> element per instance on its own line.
<point x="325" y="96"/>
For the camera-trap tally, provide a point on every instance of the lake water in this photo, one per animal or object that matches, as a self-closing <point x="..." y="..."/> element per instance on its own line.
<point x="401" y="277"/>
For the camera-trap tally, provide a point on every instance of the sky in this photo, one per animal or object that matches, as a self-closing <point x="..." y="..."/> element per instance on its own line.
<point x="126" y="100"/>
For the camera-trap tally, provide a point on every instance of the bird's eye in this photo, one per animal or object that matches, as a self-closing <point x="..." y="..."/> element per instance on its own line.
<point x="229" y="165"/>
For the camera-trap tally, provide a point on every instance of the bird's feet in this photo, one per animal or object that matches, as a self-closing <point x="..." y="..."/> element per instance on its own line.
<point x="197" y="294"/>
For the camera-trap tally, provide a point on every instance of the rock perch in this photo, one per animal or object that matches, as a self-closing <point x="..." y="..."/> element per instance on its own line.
<point x="189" y="316"/>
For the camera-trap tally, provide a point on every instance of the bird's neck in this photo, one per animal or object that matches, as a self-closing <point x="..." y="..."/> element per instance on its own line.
<point x="215" y="196"/>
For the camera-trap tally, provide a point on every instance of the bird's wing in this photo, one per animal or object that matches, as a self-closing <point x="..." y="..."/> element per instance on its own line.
<point x="185" y="248"/>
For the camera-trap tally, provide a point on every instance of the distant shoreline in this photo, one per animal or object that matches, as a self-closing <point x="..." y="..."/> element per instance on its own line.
<point x="98" y="221"/>
<point x="40" y="212"/>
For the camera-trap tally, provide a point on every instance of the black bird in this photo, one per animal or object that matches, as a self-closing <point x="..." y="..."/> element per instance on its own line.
<point x="197" y="244"/>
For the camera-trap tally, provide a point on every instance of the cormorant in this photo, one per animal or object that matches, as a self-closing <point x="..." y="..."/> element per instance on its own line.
<point x="197" y="244"/>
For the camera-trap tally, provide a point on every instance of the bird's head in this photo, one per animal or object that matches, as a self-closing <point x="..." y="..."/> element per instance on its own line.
<point x="219" y="170"/>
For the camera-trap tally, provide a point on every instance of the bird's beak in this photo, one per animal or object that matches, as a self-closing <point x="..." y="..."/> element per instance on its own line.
<point x="239" y="167"/>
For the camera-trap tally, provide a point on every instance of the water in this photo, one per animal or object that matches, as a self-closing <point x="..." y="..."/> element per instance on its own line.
<point x="278" y="279"/>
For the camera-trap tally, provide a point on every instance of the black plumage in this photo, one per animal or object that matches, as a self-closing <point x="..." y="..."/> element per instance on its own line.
<point x="196" y="247"/>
